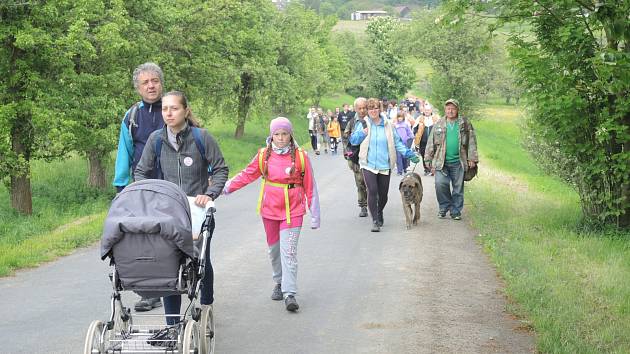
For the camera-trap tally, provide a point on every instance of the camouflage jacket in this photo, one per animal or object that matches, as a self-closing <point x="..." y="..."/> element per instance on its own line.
<point x="435" y="153"/>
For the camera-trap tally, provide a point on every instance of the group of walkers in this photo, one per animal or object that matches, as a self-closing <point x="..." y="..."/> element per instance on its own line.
<point x="325" y="128"/>
<point x="160" y="138"/>
<point x="383" y="139"/>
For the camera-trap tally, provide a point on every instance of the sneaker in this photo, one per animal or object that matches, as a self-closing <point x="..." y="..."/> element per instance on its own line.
<point x="276" y="294"/>
<point x="375" y="226"/>
<point x="291" y="303"/>
<point x="147" y="304"/>
<point x="316" y="152"/>
<point x="166" y="337"/>
<point x="456" y="217"/>
<point x="442" y="214"/>
<point x="363" y="212"/>
<point x="380" y="219"/>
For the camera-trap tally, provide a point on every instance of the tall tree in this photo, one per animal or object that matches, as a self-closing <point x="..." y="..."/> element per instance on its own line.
<point x="459" y="53"/>
<point x="27" y="30"/>
<point x="575" y="65"/>
<point x="392" y="77"/>
<point x="247" y="47"/>
<point x="90" y="93"/>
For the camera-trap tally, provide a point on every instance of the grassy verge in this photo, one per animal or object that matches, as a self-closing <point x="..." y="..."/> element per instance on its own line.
<point x="573" y="287"/>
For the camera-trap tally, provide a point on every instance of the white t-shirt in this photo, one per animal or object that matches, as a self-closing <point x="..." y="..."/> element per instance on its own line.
<point x="428" y="121"/>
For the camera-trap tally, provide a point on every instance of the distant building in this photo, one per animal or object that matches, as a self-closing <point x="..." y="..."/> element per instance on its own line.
<point x="366" y="15"/>
<point x="403" y="11"/>
<point x="281" y="4"/>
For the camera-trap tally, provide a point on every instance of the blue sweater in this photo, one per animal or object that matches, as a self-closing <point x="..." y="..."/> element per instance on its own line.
<point x="148" y="119"/>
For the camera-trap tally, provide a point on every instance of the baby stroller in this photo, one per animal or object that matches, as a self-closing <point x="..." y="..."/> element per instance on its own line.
<point x="147" y="236"/>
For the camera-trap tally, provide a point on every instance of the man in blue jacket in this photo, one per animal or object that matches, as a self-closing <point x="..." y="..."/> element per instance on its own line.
<point x="142" y="119"/>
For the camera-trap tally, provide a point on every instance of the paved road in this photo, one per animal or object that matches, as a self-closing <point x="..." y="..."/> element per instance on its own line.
<point x="425" y="290"/>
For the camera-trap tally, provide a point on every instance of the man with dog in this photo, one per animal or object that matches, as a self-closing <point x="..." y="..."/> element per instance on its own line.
<point x="450" y="151"/>
<point x="352" y="153"/>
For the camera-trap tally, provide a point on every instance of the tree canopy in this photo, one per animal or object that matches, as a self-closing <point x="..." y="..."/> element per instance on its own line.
<point x="573" y="59"/>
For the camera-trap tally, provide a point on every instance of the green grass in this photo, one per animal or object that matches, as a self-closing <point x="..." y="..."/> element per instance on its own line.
<point x="356" y="27"/>
<point x="60" y="196"/>
<point x="574" y="289"/>
<point x="423" y="70"/>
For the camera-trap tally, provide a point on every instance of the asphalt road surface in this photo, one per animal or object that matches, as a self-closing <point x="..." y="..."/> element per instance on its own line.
<point x="426" y="290"/>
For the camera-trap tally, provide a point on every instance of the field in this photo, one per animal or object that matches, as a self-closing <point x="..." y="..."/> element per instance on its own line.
<point x="356" y="27"/>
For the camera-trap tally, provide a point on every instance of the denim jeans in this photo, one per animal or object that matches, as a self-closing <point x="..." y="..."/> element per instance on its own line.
<point x="453" y="200"/>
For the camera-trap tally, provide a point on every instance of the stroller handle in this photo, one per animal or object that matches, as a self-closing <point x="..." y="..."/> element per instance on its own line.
<point x="210" y="208"/>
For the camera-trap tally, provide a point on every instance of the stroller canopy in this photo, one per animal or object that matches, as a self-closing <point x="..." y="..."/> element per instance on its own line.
<point x="151" y="206"/>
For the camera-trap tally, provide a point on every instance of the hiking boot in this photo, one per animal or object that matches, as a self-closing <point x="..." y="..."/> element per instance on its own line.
<point x="363" y="212"/>
<point x="375" y="226"/>
<point x="291" y="303"/>
<point x="276" y="294"/>
<point x="441" y="214"/>
<point x="456" y="217"/>
<point x="147" y="304"/>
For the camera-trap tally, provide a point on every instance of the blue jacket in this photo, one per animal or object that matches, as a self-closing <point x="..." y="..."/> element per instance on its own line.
<point x="378" y="153"/>
<point x="130" y="145"/>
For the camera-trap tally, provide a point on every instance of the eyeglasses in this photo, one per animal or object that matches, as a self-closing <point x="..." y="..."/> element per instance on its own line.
<point x="373" y="109"/>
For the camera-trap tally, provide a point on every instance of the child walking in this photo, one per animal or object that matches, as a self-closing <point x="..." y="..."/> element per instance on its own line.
<point x="334" y="131"/>
<point x="287" y="189"/>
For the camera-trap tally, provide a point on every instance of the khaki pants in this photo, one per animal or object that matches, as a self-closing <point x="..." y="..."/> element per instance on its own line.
<point x="360" y="182"/>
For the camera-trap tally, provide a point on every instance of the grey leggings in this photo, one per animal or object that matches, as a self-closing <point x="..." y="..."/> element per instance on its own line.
<point x="377" y="187"/>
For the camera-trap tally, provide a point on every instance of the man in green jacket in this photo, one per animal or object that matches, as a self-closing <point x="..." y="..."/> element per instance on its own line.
<point x="451" y="150"/>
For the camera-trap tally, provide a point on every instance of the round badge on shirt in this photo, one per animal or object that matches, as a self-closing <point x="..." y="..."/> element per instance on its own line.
<point x="188" y="161"/>
<point x="288" y="171"/>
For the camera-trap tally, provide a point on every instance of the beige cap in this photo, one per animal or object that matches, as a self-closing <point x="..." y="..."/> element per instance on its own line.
<point x="452" y="101"/>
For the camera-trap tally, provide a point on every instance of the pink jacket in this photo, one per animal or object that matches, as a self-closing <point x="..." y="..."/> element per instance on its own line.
<point x="302" y="196"/>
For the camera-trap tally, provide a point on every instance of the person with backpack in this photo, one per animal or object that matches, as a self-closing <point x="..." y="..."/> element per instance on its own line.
<point x="184" y="154"/>
<point x="288" y="188"/>
<point x="378" y="142"/>
<point x="351" y="152"/>
<point x="142" y="119"/>
<point x="451" y="150"/>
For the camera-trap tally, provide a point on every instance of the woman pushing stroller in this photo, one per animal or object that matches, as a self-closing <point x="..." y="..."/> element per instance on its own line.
<point x="288" y="186"/>
<point x="174" y="152"/>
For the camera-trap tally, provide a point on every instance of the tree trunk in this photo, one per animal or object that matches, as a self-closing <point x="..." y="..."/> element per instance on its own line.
<point x="96" y="170"/>
<point x="245" y="100"/>
<point x="21" y="197"/>
<point x="624" y="219"/>
<point x="21" y="139"/>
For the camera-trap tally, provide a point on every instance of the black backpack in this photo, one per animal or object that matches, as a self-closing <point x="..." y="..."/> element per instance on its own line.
<point x="352" y="151"/>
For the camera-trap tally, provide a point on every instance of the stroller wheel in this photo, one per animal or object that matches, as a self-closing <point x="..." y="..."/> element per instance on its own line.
<point x="190" y="343"/>
<point x="206" y="325"/>
<point x="94" y="338"/>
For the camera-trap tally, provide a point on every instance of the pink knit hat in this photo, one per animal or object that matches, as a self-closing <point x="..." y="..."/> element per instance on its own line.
<point x="280" y="123"/>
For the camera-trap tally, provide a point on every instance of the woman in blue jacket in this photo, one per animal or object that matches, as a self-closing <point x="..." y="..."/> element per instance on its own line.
<point x="378" y="143"/>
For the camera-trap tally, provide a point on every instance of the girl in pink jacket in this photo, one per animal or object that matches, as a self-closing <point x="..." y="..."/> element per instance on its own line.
<point x="288" y="188"/>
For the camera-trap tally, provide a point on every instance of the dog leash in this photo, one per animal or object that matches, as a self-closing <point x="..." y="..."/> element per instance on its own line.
<point x="414" y="166"/>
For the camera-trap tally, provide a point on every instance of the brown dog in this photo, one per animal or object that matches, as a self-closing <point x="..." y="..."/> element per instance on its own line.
<point x="411" y="192"/>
